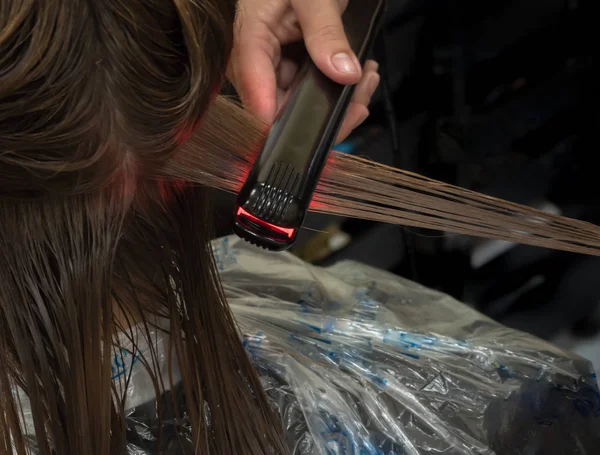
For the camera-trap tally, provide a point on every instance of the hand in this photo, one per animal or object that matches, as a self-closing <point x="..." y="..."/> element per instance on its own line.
<point x="261" y="72"/>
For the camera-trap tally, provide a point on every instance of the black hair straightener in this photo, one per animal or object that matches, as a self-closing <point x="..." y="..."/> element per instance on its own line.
<point x="277" y="193"/>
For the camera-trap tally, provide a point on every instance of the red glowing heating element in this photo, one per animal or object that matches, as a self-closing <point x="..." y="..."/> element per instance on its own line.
<point x="289" y="232"/>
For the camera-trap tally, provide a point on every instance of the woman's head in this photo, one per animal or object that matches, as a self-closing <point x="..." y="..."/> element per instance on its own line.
<point x="90" y="90"/>
<point x="95" y="96"/>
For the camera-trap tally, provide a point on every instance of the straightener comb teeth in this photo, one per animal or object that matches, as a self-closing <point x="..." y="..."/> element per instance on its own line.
<point x="252" y="240"/>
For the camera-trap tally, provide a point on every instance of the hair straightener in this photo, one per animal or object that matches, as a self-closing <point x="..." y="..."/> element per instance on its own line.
<point x="273" y="202"/>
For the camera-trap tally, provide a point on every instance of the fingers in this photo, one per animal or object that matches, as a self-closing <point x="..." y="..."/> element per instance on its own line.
<point x="356" y="114"/>
<point x="285" y="75"/>
<point x="368" y="84"/>
<point x="326" y="40"/>
<point x="252" y="66"/>
<point x="358" y="110"/>
<point x="288" y="30"/>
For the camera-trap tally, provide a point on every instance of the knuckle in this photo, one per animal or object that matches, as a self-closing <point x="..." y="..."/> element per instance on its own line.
<point x="329" y="33"/>
<point x="343" y="4"/>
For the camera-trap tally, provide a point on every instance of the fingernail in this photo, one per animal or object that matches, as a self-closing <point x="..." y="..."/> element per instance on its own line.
<point x="371" y="65"/>
<point x="345" y="64"/>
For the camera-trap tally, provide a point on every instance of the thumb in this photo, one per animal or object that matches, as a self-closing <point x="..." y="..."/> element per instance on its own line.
<point x="325" y="39"/>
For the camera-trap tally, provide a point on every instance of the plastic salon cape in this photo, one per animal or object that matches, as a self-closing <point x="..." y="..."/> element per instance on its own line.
<point x="357" y="361"/>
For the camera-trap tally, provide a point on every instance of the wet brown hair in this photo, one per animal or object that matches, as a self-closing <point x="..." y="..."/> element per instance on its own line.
<point x="355" y="187"/>
<point x="94" y="98"/>
<point x="102" y="227"/>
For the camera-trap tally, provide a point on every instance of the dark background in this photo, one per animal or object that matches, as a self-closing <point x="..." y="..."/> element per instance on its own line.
<point x="497" y="96"/>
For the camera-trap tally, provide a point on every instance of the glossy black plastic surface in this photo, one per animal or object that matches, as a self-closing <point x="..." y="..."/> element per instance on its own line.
<point x="283" y="178"/>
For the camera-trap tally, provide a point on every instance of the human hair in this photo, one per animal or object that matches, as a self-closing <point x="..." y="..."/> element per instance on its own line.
<point x="110" y="131"/>
<point x="356" y="187"/>
<point x="95" y="97"/>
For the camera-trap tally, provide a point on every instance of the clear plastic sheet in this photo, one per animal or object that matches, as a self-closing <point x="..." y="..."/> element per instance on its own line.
<point x="360" y="361"/>
<point x="357" y="361"/>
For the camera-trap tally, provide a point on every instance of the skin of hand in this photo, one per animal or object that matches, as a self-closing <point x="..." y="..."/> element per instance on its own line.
<point x="261" y="71"/>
